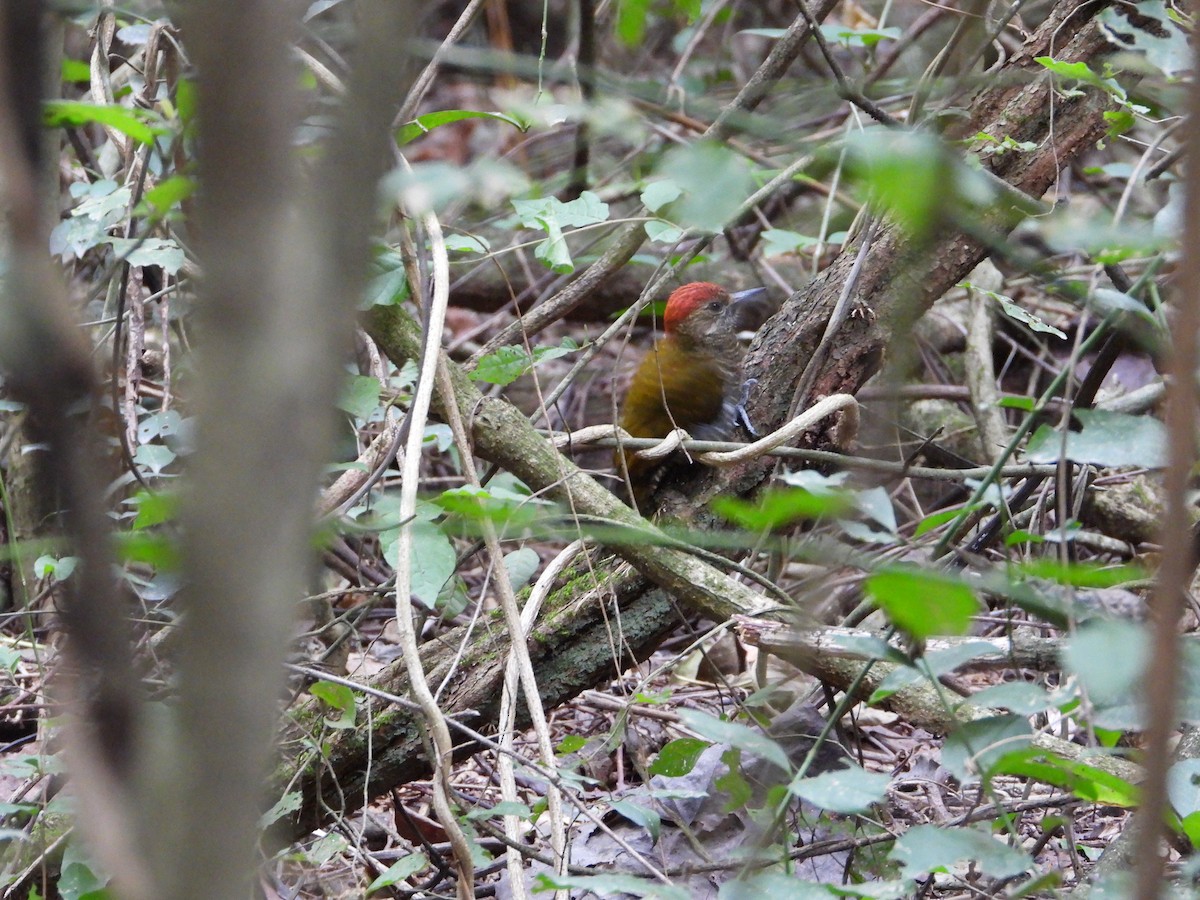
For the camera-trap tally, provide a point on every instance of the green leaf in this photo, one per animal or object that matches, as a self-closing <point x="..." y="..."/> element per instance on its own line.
<point x="1087" y="782"/>
<point x="923" y="604"/>
<point x="976" y="747"/>
<point x="859" y="37"/>
<point x="678" y="757"/>
<point x="401" y="870"/>
<point x="162" y="252"/>
<point x="503" y="808"/>
<point x="571" y="744"/>
<point x="778" y="507"/>
<point x="1082" y="574"/>
<point x="506" y="364"/>
<point x="467" y="243"/>
<point x="521" y="565"/>
<point x="426" y="123"/>
<point x="433" y="559"/>
<point x="170" y="192"/>
<point x="1106" y="439"/>
<point x="154" y="457"/>
<point x="1020" y="697"/>
<point x="663" y="231"/>
<point x="284" y="806"/>
<point x="157" y="550"/>
<point x="76" y="71"/>
<point x="936" y="521"/>
<point x="1191" y="828"/>
<point x="1109" y="656"/>
<point x="552" y="215"/>
<point x="658" y="194"/>
<point x="340" y="698"/>
<point x="80" y="878"/>
<point x="848" y="790"/>
<point x="1183" y="786"/>
<point x="72" y="113"/>
<point x="742" y="737"/>
<point x="640" y="815"/>
<point x="631" y="21"/>
<point x="52" y="567"/>
<point x="778" y="242"/>
<point x="713" y="181"/>
<point x="905" y="172"/>
<point x="360" y="396"/>
<point x="154" y="509"/>
<point x="936" y="848"/>
<point x="1017" y="314"/>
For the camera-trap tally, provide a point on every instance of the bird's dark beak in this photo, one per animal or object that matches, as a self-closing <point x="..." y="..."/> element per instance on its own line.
<point x="751" y="308"/>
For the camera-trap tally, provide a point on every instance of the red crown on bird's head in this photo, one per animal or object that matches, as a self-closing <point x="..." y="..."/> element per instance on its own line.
<point x="685" y="300"/>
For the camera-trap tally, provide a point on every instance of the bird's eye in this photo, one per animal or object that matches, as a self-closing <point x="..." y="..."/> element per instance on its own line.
<point x="715" y="305"/>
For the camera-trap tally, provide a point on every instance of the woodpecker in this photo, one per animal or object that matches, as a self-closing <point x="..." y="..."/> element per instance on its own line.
<point x="692" y="378"/>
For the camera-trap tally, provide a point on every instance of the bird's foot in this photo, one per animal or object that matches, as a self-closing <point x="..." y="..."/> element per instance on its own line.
<point x="741" y="417"/>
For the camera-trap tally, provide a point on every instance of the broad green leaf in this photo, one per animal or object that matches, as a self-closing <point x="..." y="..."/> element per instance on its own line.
<point x="658" y="194"/>
<point x="1082" y="574"/>
<point x="848" y="790"/>
<point x="154" y="508"/>
<point x="905" y="172"/>
<point x="1082" y="72"/>
<point x="1022" y="698"/>
<point x="506" y="364"/>
<point x="154" y="457"/>
<point x="640" y="815"/>
<point x="742" y="737"/>
<point x="777" y="242"/>
<point x="923" y="604"/>
<point x="53" y="567"/>
<point x="1106" y="439"/>
<point x="859" y="37"/>
<point x="284" y="806"/>
<point x="170" y="192"/>
<point x="162" y="252"/>
<point x="935" y="848"/>
<point x="776" y="508"/>
<point x="80" y="878"/>
<point x="74" y="113"/>
<point x="713" y="181"/>
<point x="360" y="396"/>
<point x="936" y="521"/>
<point x="1109" y="656"/>
<point x="663" y="231"/>
<point x="467" y="243"/>
<point x="503" y="808"/>
<point x="521" y="564"/>
<point x="631" y="21"/>
<point x="1183" y="786"/>
<point x="427" y="122"/>
<point x="432" y="563"/>
<point x="976" y="747"/>
<point x="76" y="71"/>
<point x="1087" y="782"/>
<point x="340" y="699"/>
<point x="401" y="870"/>
<point x="678" y="757"/>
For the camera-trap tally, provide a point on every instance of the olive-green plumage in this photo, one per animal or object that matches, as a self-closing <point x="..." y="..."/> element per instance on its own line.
<point x="691" y="378"/>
